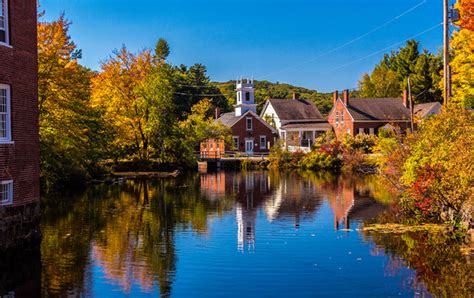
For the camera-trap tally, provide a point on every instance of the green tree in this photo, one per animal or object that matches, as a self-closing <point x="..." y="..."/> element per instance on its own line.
<point x="162" y="50"/>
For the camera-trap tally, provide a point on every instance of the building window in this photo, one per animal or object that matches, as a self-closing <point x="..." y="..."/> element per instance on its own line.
<point x="263" y="142"/>
<point x="249" y="123"/>
<point x="342" y="117"/>
<point x="6" y="193"/>
<point x="348" y="131"/>
<point x="238" y="97"/>
<point x="337" y="118"/>
<point x="4" y="38"/>
<point x="236" y="143"/>
<point x="5" y="119"/>
<point x="371" y="131"/>
<point x="247" y="96"/>
<point x="361" y="131"/>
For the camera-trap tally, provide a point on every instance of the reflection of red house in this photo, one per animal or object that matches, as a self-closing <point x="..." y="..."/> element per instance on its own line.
<point x="341" y="201"/>
<point x="213" y="185"/>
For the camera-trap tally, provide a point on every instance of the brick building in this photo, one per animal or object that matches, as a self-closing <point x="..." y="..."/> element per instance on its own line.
<point x="250" y="133"/>
<point x="19" y="143"/>
<point x="355" y="116"/>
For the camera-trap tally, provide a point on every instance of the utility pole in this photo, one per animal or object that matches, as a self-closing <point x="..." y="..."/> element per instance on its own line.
<point x="446" y="71"/>
<point x="411" y="106"/>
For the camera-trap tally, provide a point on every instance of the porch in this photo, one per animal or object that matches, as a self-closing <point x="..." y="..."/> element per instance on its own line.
<point x="301" y="136"/>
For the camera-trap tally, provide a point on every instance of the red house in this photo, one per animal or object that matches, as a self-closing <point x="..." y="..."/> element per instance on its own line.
<point x="250" y="133"/>
<point x="355" y="116"/>
<point x="19" y="143"/>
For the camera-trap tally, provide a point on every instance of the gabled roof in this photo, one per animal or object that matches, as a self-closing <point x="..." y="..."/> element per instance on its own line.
<point x="229" y="119"/>
<point x="391" y="109"/>
<point x="423" y="109"/>
<point x="295" y="109"/>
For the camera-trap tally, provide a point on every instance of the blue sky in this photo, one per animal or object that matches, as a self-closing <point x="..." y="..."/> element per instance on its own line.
<point x="276" y="40"/>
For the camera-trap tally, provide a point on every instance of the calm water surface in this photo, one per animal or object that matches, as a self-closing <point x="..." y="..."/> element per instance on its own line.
<point x="239" y="234"/>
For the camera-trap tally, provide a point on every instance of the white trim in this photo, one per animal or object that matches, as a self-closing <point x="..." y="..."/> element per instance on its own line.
<point x="261" y="121"/>
<point x="247" y="123"/>
<point x="8" y="184"/>
<point x="238" y="142"/>
<point x="8" y="138"/>
<point x="264" y="143"/>
<point x="6" y="23"/>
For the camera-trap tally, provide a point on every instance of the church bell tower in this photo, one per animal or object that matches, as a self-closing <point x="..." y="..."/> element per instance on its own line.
<point x="245" y="97"/>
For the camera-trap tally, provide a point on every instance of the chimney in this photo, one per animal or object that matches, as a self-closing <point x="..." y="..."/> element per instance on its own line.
<point x="296" y="95"/>
<point x="406" y="102"/>
<point x="217" y="113"/>
<point x="346" y="97"/>
<point x="335" y="96"/>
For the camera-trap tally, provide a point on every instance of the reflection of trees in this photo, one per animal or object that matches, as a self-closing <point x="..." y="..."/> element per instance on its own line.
<point x="440" y="266"/>
<point x="130" y="230"/>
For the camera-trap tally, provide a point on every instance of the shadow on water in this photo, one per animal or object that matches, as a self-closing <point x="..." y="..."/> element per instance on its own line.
<point x="148" y="237"/>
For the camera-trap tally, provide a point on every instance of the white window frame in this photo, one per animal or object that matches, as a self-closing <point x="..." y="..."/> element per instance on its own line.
<point x="342" y="117"/>
<point x="6" y="24"/>
<point x="264" y="142"/>
<point x="8" y="138"/>
<point x="337" y="118"/>
<point x="236" y="142"/>
<point x="247" y="123"/>
<point x="371" y="131"/>
<point x="6" y="187"/>
<point x="361" y="131"/>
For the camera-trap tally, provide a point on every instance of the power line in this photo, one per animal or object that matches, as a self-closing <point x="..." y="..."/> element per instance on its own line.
<point x="347" y="43"/>
<point x="387" y="48"/>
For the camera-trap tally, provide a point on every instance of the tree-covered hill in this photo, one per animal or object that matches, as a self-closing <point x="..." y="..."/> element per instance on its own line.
<point x="265" y="90"/>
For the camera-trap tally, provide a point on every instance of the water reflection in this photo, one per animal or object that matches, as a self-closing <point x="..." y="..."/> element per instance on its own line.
<point x="198" y="233"/>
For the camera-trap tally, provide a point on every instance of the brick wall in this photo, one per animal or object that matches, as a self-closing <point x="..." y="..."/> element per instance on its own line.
<point x="342" y="128"/>
<point x="258" y="129"/>
<point x="18" y="68"/>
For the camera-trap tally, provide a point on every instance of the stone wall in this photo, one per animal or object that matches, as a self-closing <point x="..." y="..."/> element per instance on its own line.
<point x="19" y="226"/>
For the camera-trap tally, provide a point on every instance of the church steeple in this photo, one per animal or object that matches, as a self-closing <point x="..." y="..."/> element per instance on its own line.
<point x="245" y="97"/>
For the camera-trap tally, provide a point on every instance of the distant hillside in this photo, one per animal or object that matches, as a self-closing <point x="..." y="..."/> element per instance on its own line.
<point x="265" y="90"/>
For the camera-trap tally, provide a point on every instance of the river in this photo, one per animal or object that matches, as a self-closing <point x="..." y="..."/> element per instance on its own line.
<point x="230" y="234"/>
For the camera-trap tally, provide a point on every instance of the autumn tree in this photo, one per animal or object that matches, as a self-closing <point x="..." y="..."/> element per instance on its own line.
<point x="462" y="52"/>
<point x="71" y="133"/>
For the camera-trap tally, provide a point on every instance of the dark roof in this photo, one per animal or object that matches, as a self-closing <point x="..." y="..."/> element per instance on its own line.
<point x="295" y="109"/>
<point x="229" y="119"/>
<point x="423" y="109"/>
<point x="308" y="125"/>
<point x="378" y="109"/>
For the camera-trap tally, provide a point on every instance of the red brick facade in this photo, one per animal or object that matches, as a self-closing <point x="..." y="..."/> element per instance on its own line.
<point x="239" y="129"/>
<point x="346" y="124"/>
<point x="19" y="159"/>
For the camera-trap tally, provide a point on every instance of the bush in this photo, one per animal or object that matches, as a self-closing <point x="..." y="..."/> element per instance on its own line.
<point x="434" y="168"/>
<point x="319" y="160"/>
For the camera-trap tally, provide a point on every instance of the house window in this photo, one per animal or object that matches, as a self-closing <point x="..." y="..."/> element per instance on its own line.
<point x="6" y="193"/>
<point x="337" y="118"/>
<point x="236" y="143"/>
<point x="249" y="123"/>
<point x="4" y="38"/>
<point x="361" y="131"/>
<point x="263" y="142"/>
<point x="342" y="117"/>
<point x="348" y="131"/>
<point x="247" y="96"/>
<point x="371" y="131"/>
<point x="5" y="125"/>
<point x="238" y="97"/>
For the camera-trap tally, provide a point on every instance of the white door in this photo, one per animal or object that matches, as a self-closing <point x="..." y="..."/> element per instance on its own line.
<point x="249" y="146"/>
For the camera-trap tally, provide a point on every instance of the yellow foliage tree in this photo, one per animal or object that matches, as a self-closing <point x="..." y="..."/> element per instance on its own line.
<point x="462" y="68"/>
<point x="67" y="123"/>
<point x="133" y="94"/>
